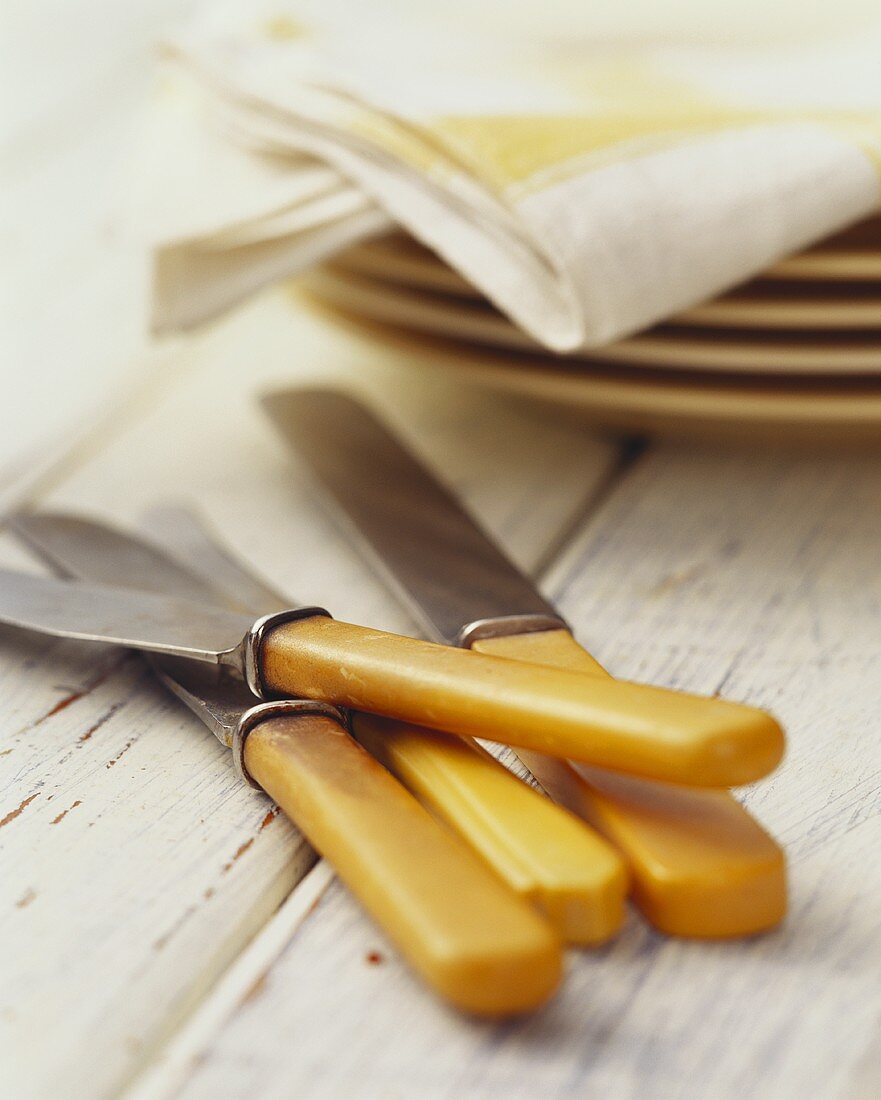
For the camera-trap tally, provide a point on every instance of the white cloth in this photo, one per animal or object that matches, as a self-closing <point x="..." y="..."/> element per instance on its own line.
<point x="587" y="193"/>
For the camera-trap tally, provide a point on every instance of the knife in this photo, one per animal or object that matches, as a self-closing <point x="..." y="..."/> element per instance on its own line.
<point x="467" y="593"/>
<point x="544" y="853"/>
<point x="547" y="855"/>
<point x="700" y="865"/>
<point x="470" y="937"/>
<point x="306" y="653"/>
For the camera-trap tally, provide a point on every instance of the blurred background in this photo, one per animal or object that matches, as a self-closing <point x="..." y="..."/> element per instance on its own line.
<point x="75" y="76"/>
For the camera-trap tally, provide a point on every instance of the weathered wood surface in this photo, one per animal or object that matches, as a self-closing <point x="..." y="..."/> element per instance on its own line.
<point x="142" y="946"/>
<point x="136" y="867"/>
<point x="752" y="575"/>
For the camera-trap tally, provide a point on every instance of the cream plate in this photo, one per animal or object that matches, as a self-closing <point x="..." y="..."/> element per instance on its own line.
<point x="854" y="254"/>
<point x="824" y="355"/>
<point x="764" y="303"/>
<point x="855" y="266"/>
<point x="659" y="403"/>
<point x="400" y="260"/>
<point x="762" y="306"/>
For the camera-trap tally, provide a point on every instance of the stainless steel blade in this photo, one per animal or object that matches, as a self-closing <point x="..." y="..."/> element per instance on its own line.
<point x="123" y="617"/>
<point x="182" y="531"/>
<point x="89" y="550"/>
<point x="421" y="538"/>
<point x="93" y="551"/>
<point x="216" y="698"/>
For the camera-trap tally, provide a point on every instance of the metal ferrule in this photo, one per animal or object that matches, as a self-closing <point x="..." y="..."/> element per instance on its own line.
<point x="281" y="708"/>
<point x="505" y="625"/>
<point x="251" y="657"/>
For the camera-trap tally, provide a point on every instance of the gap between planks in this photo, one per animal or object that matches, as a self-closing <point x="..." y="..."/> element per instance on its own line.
<point x="630" y="450"/>
<point x="173" y="1063"/>
<point x="163" y="1075"/>
<point x="558" y="470"/>
<point x="704" y="556"/>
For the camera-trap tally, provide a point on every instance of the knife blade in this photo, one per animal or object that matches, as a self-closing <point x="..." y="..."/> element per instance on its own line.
<point x="400" y="513"/>
<point x="699" y="863"/>
<point x="545" y="854"/>
<point x="304" y="652"/>
<point x="471" y="938"/>
<point x="402" y="517"/>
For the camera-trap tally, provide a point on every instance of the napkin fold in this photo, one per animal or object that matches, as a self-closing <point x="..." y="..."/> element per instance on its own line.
<point x="588" y="192"/>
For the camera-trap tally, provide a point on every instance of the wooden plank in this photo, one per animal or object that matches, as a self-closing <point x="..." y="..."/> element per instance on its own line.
<point x="750" y="574"/>
<point x="138" y="868"/>
<point x="129" y="853"/>
<point x="178" y="1057"/>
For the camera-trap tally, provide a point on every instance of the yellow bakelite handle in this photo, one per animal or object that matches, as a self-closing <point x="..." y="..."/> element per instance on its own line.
<point x="548" y="856"/>
<point x="635" y="728"/>
<point x="699" y="863"/>
<point x="463" y="930"/>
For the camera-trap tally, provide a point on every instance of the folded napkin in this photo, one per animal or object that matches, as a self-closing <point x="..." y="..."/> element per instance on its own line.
<point x="588" y="192"/>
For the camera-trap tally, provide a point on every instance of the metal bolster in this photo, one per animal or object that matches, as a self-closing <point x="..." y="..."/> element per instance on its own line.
<point x="505" y="625"/>
<point x="280" y="708"/>
<point x="254" y="642"/>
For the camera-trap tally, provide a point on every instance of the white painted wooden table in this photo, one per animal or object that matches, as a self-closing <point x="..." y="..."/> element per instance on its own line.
<point x="161" y="932"/>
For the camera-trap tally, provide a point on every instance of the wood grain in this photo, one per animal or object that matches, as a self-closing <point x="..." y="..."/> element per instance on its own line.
<point x="131" y="858"/>
<point x="124" y="914"/>
<point x="137" y="939"/>
<point x="752" y="575"/>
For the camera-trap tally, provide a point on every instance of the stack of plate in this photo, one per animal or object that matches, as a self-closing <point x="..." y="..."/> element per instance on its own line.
<point x="796" y="351"/>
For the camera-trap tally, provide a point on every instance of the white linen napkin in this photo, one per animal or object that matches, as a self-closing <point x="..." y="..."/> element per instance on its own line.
<point x="587" y="192"/>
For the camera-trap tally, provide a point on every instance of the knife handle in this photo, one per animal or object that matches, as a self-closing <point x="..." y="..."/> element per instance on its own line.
<point x="545" y="854"/>
<point x="700" y="864"/>
<point x="467" y="934"/>
<point x="635" y="728"/>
